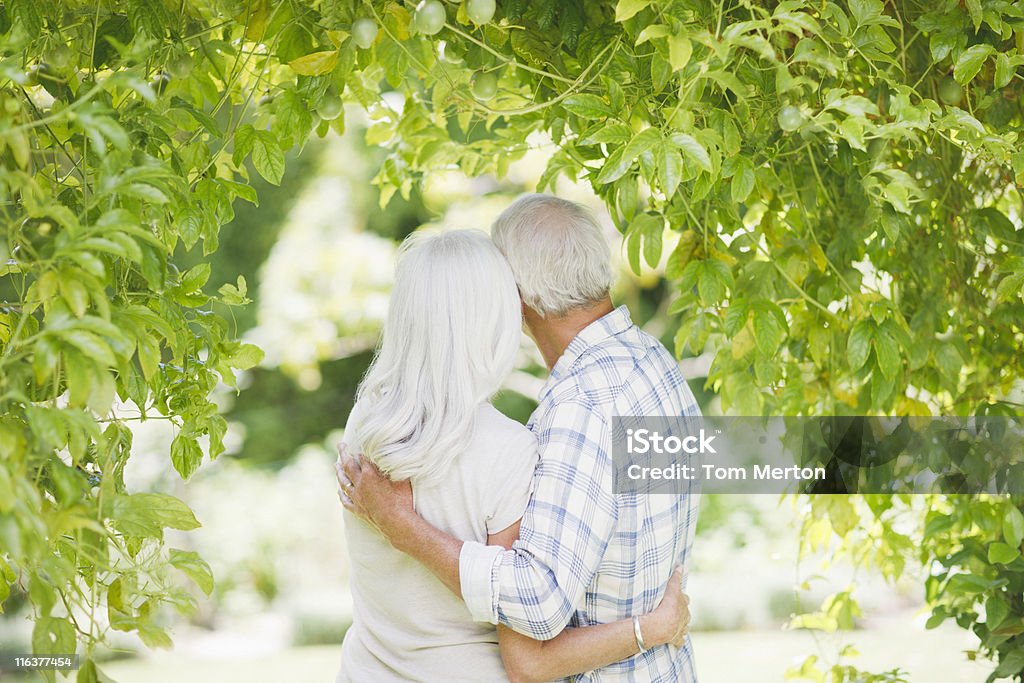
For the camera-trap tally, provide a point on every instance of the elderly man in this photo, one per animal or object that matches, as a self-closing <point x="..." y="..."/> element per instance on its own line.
<point x="586" y="554"/>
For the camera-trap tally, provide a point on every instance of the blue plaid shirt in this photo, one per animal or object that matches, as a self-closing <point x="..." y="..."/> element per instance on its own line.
<point x="587" y="555"/>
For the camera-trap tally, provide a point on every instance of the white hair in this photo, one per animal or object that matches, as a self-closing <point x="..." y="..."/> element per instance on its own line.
<point x="557" y="251"/>
<point x="449" y="341"/>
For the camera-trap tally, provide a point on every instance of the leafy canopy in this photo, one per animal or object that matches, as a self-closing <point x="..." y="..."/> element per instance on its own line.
<point x="833" y="187"/>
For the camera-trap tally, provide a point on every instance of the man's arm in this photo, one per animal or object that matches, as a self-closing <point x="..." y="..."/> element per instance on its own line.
<point x="387" y="505"/>
<point x="576" y="650"/>
<point x="535" y="587"/>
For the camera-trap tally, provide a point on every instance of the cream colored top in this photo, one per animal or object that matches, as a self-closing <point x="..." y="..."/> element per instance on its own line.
<point x="406" y="625"/>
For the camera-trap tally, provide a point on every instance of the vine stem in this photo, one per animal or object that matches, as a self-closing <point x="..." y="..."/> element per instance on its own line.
<point x="51" y="118"/>
<point x="234" y="123"/>
<point x="578" y="85"/>
<point x="511" y="62"/>
<point x="813" y="234"/>
<point x="810" y="299"/>
<point x="234" y="73"/>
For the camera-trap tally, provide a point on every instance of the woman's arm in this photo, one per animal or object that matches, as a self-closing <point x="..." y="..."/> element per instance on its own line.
<point x="576" y="650"/>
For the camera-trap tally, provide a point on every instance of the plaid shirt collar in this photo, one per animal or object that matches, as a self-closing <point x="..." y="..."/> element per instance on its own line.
<point x="606" y="326"/>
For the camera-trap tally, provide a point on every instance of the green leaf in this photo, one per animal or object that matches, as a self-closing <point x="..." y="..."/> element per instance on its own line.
<point x="194" y="279"/>
<point x="75" y="293"/>
<point x="53" y="636"/>
<point x="101" y="393"/>
<point x="79" y="369"/>
<point x="972" y="584"/>
<point x="1013" y="626"/>
<point x="735" y="318"/>
<point x="149" y="356"/>
<point x="651" y="32"/>
<point x="634" y="241"/>
<point x="948" y="359"/>
<point x="646" y="229"/>
<point x="5" y="488"/>
<point x="244" y="138"/>
<point x="245" y="356"/>
<point x="769" y="327"/>
<point x="976" y="11"/>
<point x="853" y="132"/>
<point x="267" y="157"/>
<point x="153" y="637"/>
<point x="146" y="192"/>
<point x="652" y="242"/>
<point x="47" y="426"/>
<point x="1001" y="553"/>
<point x="713" y="277"/>
<point x="897" y="195"/>
<point x="858" y="345"/>
<point x="728" y="81"/>
<point x="1013" y="526"/>
<point x="92" y="346"/>
<point x="742" y="182"/>
<point x="864" y="11"/>
<point x="670" y="169"/>
<point x="661" y="72"/>
<point x="693" y="150"/>
<point x="532" y="47"/>
<point x="642" y="142"/>
<point x="148" y="514"/>
<point x="996" y="611"/>
<point x="935" y="620"/>
<point x="234" y="295"/>
<point x="1011" y="287"/>
<point x="626" y="9"/>
<point x="855" y="106"/>
<point x="315" y="64"/>
<point x="679" y="51"/>
<point x="292" y="122"/>
<point x="148" y="17"/>
<point x="617" y="132"/>
<point x="588" y="106"/>
<point x="241" y="190"/>
<point x="1012" y="664"/>
<point x="970" y="61"/>
<point x="819" y="338"/>
<point x="90" y="673"/>
<point x="887" y="351"/>
<point x="41" y="593"/>
<point x="615" y="166"/>
<point x="193" y="566"/>
<point x="1004" y="71"/>
<point x="216" y="427"/>
<point x="688" y="278"/>
<point x="881" y="388"/>
<point x="186" y="456"/>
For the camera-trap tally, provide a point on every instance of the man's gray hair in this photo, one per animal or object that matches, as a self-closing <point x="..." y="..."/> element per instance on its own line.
<point x="558" y="253"/>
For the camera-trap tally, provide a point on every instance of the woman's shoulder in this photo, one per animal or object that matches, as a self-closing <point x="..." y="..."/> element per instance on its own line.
<point x="506" y="455"/>
<point x="497" y="429"/>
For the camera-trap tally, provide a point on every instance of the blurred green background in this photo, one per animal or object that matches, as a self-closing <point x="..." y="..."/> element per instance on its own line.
<point x="318" y="255"/>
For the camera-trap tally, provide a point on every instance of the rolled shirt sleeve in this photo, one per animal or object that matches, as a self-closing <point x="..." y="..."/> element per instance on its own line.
<point x="476" y="566"/>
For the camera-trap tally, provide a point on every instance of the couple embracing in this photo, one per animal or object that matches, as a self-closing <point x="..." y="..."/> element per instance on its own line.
<point x="483" y="550"/>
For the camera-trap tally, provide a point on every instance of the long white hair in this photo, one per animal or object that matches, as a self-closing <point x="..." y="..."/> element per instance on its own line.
<point x="450" y="339"/>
